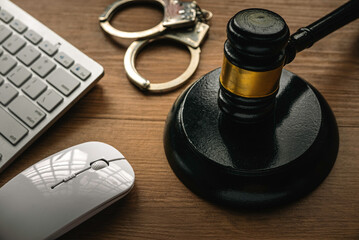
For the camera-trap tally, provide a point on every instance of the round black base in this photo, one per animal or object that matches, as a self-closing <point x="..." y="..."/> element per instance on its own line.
<point x="245" y="165"/>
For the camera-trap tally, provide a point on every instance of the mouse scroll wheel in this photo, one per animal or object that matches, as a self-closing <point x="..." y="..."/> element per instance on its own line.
<point x="99" y="164"/>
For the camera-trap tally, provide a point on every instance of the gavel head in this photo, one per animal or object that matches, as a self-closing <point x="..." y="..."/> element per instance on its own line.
<point x="254" y="55"/>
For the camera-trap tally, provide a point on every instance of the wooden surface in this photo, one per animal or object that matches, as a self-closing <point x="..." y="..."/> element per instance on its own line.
<point x="115" y="112"/>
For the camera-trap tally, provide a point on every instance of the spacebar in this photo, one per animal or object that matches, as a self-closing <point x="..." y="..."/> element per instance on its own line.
<point x="10" y="128"/>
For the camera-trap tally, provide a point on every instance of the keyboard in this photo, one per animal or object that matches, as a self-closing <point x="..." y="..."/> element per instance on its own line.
<point x="41" y="77"/>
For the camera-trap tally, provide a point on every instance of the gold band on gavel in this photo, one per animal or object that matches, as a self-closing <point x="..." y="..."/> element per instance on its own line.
<point x="249" y="84"/>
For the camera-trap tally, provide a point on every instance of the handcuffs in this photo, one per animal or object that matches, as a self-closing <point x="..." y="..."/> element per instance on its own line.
<point x="184" y="22"/>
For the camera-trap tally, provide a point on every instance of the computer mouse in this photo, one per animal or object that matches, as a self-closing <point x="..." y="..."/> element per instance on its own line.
<point x="63" y="190"/>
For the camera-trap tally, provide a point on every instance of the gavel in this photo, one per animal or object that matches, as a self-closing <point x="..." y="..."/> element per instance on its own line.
<point x="252" y="134"/>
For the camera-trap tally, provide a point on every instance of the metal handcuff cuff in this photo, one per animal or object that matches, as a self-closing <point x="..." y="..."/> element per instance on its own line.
<point x="184" y="22"/>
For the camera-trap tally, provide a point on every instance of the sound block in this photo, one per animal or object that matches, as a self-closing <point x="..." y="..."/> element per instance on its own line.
<point x="251" y="166"/>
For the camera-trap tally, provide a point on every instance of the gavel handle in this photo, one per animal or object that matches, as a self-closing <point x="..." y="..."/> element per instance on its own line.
<point x="305" y="37"/>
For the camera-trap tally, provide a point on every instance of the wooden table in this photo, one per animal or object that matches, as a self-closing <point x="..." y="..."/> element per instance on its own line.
<point x="116" y="112"/>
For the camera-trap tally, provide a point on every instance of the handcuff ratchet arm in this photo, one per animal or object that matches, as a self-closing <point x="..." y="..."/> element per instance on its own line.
<point x="192" y="38"/>
<point x="176" y="15"/>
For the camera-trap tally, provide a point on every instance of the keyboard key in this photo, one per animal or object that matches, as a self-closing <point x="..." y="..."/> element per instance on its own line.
<point x="33" y="37"/>
<point x="5" y="16"/>
<point x="6" y="64"/>
<point x="14" y="43"/>
<point x="1" y="51"/>
<point x="43" y="66"/>
<point x="80" y="71"/>
<point x="7" y="93"/>
<point x="10" y="128"/>
<point x="50" y="100"/>
<point x="1" y="80"/>
<point x="49" y="48"/>
<point x="4" y="33"/>
<point x="63" y="81"/>
<point x="19" y="76"/>
<point x="18" y="26"/>
<point x="64" y="59"/>
<point x="28" y="55"/>
<point x="34" y="87"/>
<point x="26" y="111"/>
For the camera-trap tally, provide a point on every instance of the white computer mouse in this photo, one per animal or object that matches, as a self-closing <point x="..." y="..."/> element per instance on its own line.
<point x="63" y="190"/>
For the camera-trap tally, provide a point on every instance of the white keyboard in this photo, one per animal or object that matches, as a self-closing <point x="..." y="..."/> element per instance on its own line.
<point x="41" y="77"/>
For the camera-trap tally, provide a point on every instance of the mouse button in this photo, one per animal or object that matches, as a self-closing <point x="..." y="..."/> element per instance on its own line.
<point x="99" y="164"/>
<point x="55" y="168"/>
<point x="116" y="176"/>
<point x="64" y="163"/>
<point x="123" y="165"/>
<point x="99" y="150"/>
<point x="41" y="175"/>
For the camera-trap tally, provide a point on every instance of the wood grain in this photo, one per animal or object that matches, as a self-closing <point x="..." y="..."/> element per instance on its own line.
<point x="115" y="112"/>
